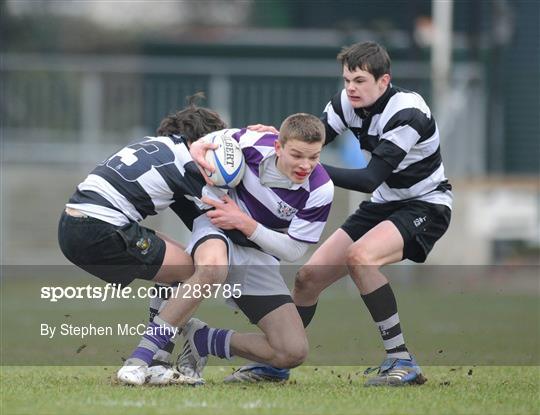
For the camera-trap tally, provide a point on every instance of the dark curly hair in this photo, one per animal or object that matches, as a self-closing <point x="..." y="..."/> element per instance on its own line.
<point x="193" y="122"/>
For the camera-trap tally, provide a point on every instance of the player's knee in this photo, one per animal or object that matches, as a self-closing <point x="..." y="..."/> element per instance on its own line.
<point x="292" y="356"/>
<point x="304" y="280"/>
<point x="212" y="273"/>
<point x="360" y="256"/>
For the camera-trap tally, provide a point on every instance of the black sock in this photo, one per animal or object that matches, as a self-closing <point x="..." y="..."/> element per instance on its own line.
<point x="306" y="313"/>
<point x="382" y="306"/>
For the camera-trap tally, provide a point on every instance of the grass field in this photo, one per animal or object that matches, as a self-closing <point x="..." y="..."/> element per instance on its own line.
<point x="312" y="390"/>
<point x="479" y="350"/>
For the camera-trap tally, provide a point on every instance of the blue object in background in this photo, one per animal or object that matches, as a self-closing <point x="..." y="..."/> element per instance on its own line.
<point x="350" y="151"/>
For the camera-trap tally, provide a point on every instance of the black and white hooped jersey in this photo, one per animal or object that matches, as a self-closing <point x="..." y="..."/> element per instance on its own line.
<point x="400" y="129"/>
<point x="140" y="180"/>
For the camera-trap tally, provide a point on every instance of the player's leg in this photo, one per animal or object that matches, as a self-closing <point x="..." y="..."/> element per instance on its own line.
<point x="326" y="266"/>
<point x="211" y="267"/>
<point x="177" y="264"/>
<point x="210" y="258"/>
<point x="267" y="302"/>
<point x="389" y="242"/>
<point x="159" y="298"/>
<point x="168" y="267"/>
<point x="328" y="263"/>
<point x="265" y="299"/>
<point x="210" y="251"/>
<point x="118" y="255"/>
<point x="283" y="343"/>
<point x="210" y="254"/>
<point x="380" y="246"/>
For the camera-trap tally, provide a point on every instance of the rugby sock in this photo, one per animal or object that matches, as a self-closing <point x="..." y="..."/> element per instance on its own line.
<point x="382" y="306"/>
<point x="306" y="313"/>
<point x="216" y="342"/>
<point x="158" y="334"/>
<point x="156" y="305"/>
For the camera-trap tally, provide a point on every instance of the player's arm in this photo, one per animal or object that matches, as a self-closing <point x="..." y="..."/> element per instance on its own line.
<point x="278" y="244"/>
<point x="227" y="215"/>
<point x="403" y="130"/>
<point x="364" y="180"/>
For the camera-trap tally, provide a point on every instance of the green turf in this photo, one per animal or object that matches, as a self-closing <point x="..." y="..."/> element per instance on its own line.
<point x="312" y="390"/>
<point x="479" y="350"/>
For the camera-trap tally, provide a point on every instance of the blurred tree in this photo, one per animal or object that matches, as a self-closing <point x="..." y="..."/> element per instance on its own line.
<point x="277" y="13"/>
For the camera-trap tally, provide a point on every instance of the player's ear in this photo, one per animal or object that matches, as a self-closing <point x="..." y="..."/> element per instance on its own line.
<point x="278" y="146"/>
<point x="384" y="80"/>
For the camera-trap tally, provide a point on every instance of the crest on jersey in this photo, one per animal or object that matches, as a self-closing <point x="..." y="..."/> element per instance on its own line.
<point x="285" y="211"/>
<point x="144" y="245"/>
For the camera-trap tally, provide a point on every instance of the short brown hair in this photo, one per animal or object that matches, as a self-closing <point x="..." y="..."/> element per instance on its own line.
<point x="193" y="122"/>
<point x="302" y="127"/>
<point x="367" y="56"/>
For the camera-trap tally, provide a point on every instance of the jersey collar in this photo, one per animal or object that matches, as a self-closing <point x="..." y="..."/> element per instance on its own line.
<point x="179" y="138"/>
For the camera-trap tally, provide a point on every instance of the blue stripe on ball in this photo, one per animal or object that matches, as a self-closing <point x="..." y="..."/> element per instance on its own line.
<point x="227" y="177"/>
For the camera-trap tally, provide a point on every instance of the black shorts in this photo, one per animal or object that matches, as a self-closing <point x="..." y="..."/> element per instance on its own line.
<point x="116" y="254"/>
<point x="255" y="307"/>
<point x="421" y="224"/>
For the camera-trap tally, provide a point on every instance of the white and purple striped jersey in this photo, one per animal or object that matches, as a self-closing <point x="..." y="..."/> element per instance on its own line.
<point x="269" y="197"/>
<point x="400" y="129"/>
<point x="140" y="180"/>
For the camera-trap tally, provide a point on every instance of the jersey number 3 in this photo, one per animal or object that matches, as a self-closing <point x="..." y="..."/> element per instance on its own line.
<point x="137" y="159"/>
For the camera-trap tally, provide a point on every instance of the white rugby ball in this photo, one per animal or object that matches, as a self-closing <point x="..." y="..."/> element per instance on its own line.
<point x="227" y="159"/>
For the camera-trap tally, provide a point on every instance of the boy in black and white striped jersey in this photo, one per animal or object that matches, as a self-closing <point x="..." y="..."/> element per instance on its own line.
<point x="410" y="207"/>
<point x="100" y="229"/>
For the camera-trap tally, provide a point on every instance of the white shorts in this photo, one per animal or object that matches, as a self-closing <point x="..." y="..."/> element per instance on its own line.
<point x="256" y="271"/>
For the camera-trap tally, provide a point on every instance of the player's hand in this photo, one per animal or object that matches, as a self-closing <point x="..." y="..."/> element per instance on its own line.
<point x="261" y="128"/>
<point x="227" y="215"/>
<point x="198" y="151"/>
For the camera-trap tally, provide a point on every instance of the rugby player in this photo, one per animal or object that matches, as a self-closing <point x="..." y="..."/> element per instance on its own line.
<point x="99" y="229"/>
<point x="281" y="205"/>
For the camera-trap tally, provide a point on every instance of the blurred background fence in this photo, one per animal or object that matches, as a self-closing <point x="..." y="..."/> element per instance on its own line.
<point x="79" y="80"/>
<point x="68" y="108"/>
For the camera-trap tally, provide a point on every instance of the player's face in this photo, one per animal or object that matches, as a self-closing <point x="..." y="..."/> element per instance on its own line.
<point x="362" y="88"/>
<point x="297" y="159"/>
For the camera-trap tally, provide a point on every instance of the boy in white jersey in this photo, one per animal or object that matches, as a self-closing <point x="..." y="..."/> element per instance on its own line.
<point x="410" y="208"/>
<point x="281" y="205"/>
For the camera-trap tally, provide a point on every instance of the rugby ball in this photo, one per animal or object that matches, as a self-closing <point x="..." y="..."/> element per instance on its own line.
<point x="227" y="159"/>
